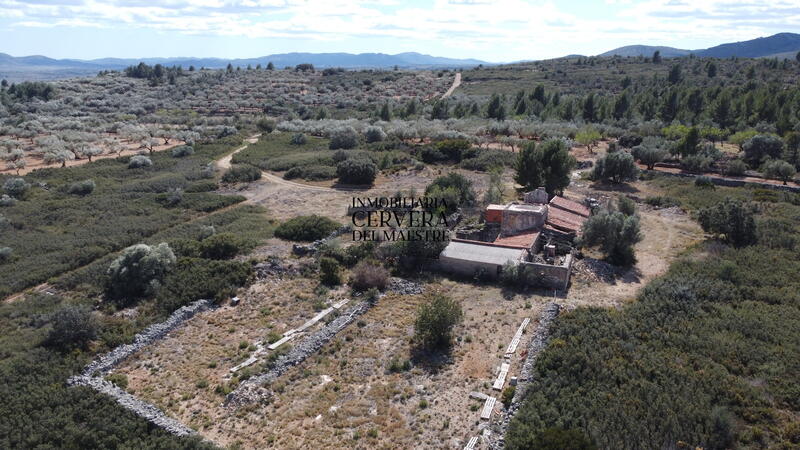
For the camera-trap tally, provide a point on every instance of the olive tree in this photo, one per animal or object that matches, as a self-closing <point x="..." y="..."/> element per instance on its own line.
<point x="780" y="170"/>
<point x="732" y="220"/>
<point x="615" y="233"/>
<point x="436" y="318"/>
<point x="16" y="187"/>
<point x="616" y="167"/>
<point x="139" y="270"/>
<point x="761" y="147"/>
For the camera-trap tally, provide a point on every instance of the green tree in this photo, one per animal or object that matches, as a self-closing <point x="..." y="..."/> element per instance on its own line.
<point x="621" y="106"/>
<point x="496" y="110"/>
<point x="138" y="271"/>
<point x="711" y="69"/>
<point x="674" y="76"/>
<point x="779" y="170"/>
<point x="548" y="165"/>
<point x="730" y="219"/>
<point x="461" y="185"/>
<point x="356" y="171"/>
<point x="386" y="113"/>
<point x="329" y="272"/>
<point x="615" y="233"/>
<point x="616" y="167"/>
<point x="588" y="137"/>
<point x="589" y="109"/>
<point x="73" y="327"/>
<point x="436" y="318"/>
<point x="761" y="147"/>
<point x="270" y="66"/>
<point x="650" y="152"/>
<point x="657" y="57"/>
<point x="688" y="145"/>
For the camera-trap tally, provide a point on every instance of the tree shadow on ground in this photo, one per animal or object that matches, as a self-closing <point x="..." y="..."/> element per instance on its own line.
<point x="431" y="361"/>
<point x="607" y="186"/>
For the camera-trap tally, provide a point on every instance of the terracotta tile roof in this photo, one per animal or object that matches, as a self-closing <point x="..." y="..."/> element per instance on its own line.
<point x="569" y="205"/>
<point x="521" y="240"/>
<point x="565" y="220"/>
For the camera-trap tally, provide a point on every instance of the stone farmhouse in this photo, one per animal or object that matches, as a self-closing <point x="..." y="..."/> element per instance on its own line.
<point x="536" y="233"/>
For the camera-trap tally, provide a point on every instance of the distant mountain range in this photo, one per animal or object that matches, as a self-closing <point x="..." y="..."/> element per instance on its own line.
<point x="42" y="68"/>
<point x="781" y="45"/>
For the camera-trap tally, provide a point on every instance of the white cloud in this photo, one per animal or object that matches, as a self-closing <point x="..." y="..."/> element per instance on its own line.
<point x="520" y="25"/>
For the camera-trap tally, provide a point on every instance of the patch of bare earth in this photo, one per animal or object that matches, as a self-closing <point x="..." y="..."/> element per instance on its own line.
<point x="345" y="396"/>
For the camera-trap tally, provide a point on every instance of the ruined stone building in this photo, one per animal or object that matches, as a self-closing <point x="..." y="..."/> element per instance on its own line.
<point x="536" y="233"/>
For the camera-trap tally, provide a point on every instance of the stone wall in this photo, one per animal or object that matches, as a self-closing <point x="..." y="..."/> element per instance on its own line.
<point x="731" y="182"/>
<point x="93" y="373"/>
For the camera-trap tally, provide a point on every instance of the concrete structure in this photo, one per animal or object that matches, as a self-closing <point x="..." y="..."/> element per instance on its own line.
<point x="470" y="257"/>
<point x="516" y="233"/>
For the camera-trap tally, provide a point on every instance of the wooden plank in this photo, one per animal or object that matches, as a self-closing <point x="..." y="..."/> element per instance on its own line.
<point x="512" y="347"/>
<point x="501" y="377"/>
<point x="471" y="444"/>
<point x="281" y="341"/>
<point x="338" y="305"/>
<point x="488" y="407"/>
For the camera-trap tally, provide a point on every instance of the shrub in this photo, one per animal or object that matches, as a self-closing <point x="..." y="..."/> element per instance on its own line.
<point x="6" y="200"/>
<point x="662" y="201"/>
<point x="339" y="156"/>
<point x="182" y="150"/>
<point x="306" y="228"/>
<point x="266" y="125"/>
<point x="311" y="173"/>
<point x="329" y="271"/>
<point x="731" y="219"/>
<point x="16" y="187"/>
<point x="73" y="327"/>
<point x="195" y="278"/>
<point x="241" y="174"/>
<point x="298" y="139"/>
<point x="344" y="138"/>
<point x="735" y="168"/>
<point x="173" y="197"/>
<point x="508" y="395"/>
<point x="367" y="275"/>
<point x="704" y="182"/>
<point x="5" y="254"/>
<point x="779" y="170"/>
<point x="356" y="171"/>
<point x="374" y="134"/>
<point x="629" y="140"/>
<point x="139" y="161"/>
<point x="454" y="149"/>
<point x="220" y="246"/>
<point x="84" y="187"/>
<point x="616" y="167"/>
<point x="552" y="439"/>
<point x="696" y="163"/>
<point x="119" y="380"/>
<point x="489" y="159"/>
<point x="436" y="318"/>
<point x="459" y="184"/>
<point x="139" y="270"/>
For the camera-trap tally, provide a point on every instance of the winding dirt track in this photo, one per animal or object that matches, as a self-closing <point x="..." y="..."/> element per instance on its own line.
<point x="456" y="84"/>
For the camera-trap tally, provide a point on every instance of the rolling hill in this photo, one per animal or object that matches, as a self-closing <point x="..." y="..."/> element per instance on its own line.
<point x="781" y="45"/>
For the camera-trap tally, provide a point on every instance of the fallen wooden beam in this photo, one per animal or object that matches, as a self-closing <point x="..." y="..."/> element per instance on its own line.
<point x="281" y="341"/>
<point x="471" y="444"/>
<point x="501" y="377"/>
<point x="512" y="347"/>
<point x="488" y="407"/>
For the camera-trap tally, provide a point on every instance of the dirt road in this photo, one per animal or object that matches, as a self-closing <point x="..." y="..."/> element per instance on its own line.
<point x="456" y="83"/>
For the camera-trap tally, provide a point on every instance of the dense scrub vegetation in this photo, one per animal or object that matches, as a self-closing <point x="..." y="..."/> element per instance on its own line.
<point x="707" y="356"/>
<point x="52" y="232"/>
<point x="306" y="228"/>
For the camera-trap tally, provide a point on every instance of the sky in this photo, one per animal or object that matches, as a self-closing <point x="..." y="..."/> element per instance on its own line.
<point x="490" y="30"/>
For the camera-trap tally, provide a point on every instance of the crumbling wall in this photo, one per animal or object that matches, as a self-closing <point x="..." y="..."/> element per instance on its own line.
<point x="553" y="276"/>
<point x="515" y="221"/>
<point x="93" y="373"/>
